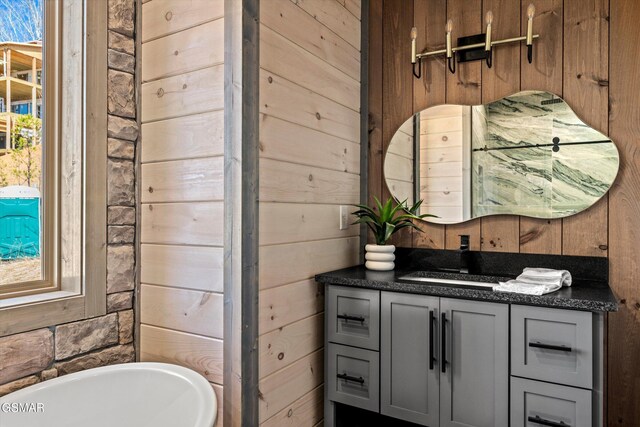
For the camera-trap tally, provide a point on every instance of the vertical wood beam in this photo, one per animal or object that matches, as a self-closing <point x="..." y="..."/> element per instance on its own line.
<point x="624" y="222"/>
<point x="376" y="60"/>
<point x="542" y="236"/>
<point x="397" y="91"/>
<point x="501" y="233"/>
<point x="586" y="90"/>
<point x="464" y="87"/>
<point x="365" y="92"/>
<point x="241" y="214"/>
<point x="430" y="90"/>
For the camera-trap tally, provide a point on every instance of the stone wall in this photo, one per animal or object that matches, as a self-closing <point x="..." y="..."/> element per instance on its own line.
<point x="31" y="357"/>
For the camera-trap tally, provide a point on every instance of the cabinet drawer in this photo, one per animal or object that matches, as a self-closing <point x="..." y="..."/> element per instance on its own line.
<point x="537" y="404"/>
<point x="353" y="317"/>
<point x="353" y="377"/>
<point x="552" y="345"/>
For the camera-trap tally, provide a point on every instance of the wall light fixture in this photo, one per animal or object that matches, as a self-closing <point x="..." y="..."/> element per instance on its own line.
<point x="472" y="48"/>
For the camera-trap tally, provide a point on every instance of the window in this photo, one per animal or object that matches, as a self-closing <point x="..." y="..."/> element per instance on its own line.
<point x="52" y="212"/>
<point x="22" y="206"/>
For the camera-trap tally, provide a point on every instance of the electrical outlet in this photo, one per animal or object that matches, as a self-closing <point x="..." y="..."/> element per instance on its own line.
<point x="344" y="217"/>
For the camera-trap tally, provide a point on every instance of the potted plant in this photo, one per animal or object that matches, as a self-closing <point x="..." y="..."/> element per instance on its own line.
<point x="389" y="219"/>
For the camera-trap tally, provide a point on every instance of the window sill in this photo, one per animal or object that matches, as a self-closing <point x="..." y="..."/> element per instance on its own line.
<point x="31" y="312"/>
<point x="33" y="299"/>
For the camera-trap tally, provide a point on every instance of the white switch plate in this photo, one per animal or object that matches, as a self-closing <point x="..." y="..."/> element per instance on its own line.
<point x="344" y="217"/>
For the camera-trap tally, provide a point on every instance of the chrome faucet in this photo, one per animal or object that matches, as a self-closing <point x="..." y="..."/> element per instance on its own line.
<point x="464" y="253"/>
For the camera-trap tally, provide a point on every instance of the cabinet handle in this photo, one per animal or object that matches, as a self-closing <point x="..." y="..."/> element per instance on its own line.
<point x="347" y="317"/>
<point x="432" y="319"/>
<point x="346" y="377"/>
<point x="443" y="358"/>
<point x="544" y="422"/>
<point x="550" y="346"/>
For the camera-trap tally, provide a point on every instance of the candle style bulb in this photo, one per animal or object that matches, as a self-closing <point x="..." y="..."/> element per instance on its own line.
<point x="489" y="20"/>
<point x="448" y="29"/>
<point x="531" y="11"/>
<point x="414" y="36"/>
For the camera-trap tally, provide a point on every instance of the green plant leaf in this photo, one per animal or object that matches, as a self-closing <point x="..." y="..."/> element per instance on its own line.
<point x="389" y="218"/>
<point x="388" y="231"/>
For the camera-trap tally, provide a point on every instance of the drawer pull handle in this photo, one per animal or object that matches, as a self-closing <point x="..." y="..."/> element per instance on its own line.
<point x="550" y="346"/>
<point x="443" y="358"/>
<point x="544" y="422"/>
<point x="347" y="317"/>
<point x="432" y="319"/>
<point x="346" y="377"/>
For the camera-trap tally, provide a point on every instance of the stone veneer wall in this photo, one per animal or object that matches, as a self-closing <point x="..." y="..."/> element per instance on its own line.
<point x="30" y="357"/>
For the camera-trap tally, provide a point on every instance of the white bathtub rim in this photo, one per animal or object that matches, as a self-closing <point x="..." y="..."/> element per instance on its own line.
<point x="201" y="384"/>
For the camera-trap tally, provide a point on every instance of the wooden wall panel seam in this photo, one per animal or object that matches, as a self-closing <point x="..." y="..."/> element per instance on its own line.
<point x="339" y="119"/>
<point x="179" y="116"/>
<point x="311" y="72"/>
<point x="183" y="52"/>
<point x="334" y="50"/>
<point x="289" y="416"/>
<point x="173" y="17"/>
<point x="155" y="162"/>
<point x="315" y="9"/>
<point x="181" y="331"/>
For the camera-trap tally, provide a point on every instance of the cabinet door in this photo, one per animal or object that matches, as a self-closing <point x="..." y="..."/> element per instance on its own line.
<point x="409" y="335"/>
<point x="474" y="379"/>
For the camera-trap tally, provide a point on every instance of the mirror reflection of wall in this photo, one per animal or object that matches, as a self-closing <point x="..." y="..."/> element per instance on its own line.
<point x="444" y="161"/>
<point x="527" y="154"/>
<point x="399" y="165"/>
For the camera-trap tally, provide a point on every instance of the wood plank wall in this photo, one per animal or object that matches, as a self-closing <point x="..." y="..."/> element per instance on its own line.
<point x="182" y="186"/>
<point x="309" y="166"/>
<point x="587" y="53"/>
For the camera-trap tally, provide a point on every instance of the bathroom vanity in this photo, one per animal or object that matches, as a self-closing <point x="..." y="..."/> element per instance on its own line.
<point x="430" y="354"/>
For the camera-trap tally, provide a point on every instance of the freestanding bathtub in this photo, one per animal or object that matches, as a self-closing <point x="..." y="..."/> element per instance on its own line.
<point x="127" y="395"/>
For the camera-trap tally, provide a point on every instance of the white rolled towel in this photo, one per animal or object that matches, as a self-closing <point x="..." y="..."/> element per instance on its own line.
<point x="536" y="281"/>
<point x="545" y="276"/>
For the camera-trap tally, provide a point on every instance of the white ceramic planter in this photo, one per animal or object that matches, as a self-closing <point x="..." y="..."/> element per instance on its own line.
<point x="380" y="257"/>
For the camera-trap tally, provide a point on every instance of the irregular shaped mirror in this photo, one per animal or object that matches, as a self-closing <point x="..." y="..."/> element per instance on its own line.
<point x="527" y="154"/>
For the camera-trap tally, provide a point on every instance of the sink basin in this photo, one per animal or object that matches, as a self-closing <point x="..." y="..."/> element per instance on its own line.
<point x="456" y="279"/>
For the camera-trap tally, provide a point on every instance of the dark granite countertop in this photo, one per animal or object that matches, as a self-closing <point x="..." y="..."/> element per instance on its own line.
<point x="587" y="295"/>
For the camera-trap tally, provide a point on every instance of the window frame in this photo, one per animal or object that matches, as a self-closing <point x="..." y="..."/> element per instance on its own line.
<point x="81" y="291"/>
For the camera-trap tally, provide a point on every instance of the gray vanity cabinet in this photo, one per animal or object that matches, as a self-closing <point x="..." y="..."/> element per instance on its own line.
<point x="474" y="379"/>
<point x="409" y="375"/>
<point x="445" y="362"/>
<point x="471" y="389"/>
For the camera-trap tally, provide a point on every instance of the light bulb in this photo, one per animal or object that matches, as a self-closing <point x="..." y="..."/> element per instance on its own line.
<point x="531" y="10"/>
<point x="414" y="35"/>
<point x="488" y="18"/>
<point x="487" y="41"/>
<point x="449" y="27"/>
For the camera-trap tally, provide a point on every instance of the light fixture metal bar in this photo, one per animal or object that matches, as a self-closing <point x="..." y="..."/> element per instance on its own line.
<point x="474" y="46"/>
